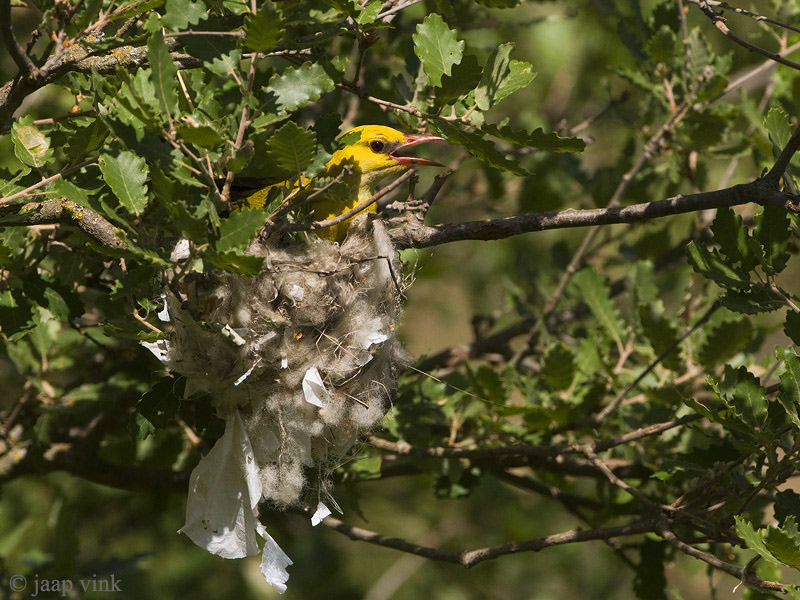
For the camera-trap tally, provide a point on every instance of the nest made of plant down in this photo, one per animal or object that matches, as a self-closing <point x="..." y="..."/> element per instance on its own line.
<point x="305" y="352"/>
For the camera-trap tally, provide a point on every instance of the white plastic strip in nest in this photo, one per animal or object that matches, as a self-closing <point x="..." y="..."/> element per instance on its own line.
<point x="273" y="562"/>
<point x="159" y="348"/>
<point x="163" y="314"/>
<point x="224" y="490"/>
<point x="314" y="389"/>
<point x="320" y="514"/>
<point x="247" y="373"/>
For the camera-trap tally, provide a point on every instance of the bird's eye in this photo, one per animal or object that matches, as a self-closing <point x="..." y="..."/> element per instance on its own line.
<point x="377" y="146"/>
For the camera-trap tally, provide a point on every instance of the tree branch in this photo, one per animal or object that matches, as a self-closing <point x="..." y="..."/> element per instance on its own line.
<point x="78" y="58"/>
<point x="758" y="192"/>
<point x="745" y="576"/>
<point x="64" y="212"/>
<point x="470" y="558"/>
<point x="27" y="68"/>
<point x="742" y="11"/>
<point x="719" y="22"/>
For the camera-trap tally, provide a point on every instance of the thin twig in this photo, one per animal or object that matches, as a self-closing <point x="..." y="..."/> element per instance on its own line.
<point x="755" y="16"/>
<point x="748" y="578"/>
<point x="470" y="558"/>
<point x="353" y="211"/>
<point x="45" y="181"/>
<point x="719" y="22"/>
<point x="612" y="406"/>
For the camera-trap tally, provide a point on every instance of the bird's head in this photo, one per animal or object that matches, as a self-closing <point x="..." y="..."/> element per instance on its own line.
<point x="373" y="152"/>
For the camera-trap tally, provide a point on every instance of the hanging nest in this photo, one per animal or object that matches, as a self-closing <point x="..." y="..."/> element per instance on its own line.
<point x="304" y="354"/>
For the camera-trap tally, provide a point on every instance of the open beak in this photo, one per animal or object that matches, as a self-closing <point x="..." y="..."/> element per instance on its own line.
<point x="413" y="140"/>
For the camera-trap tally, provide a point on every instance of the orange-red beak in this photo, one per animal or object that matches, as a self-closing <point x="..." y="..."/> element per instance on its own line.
<point x="413" y="140"/>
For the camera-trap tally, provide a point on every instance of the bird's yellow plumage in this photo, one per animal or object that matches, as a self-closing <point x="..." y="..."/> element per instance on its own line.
<point x="370" y="151"/>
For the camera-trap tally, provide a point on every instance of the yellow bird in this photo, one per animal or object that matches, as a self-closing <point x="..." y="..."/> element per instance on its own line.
<point x="371" y="151"/>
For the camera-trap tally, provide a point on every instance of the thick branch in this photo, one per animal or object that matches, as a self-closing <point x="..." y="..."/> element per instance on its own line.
<point x="64" y="212"/>
<point x="759" y="192"/>
<point x="79" y="59"/>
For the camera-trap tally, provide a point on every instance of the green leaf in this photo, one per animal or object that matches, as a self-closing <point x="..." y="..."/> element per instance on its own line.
<point x="650" y="582"/>
<point x="660" y="332"/>
<point x="645" y="289"/>
<point x="369" y="13"/>
<point x="520" y="75"/>
<point x="711" y="266"/>
<point x="62" y="188"/>
<point x="126" y="174"/>
<point x="787" y="504"/>
<point x="536" y="139"/>
<point x="136" y="281"/>
<point x="135" y="102"/>
<point x="480" y="148"/>
<point x="437" y="47"/>
<point x="202" y="135"/>
<point x="173" y="195"/>
<point x="791" y="326"/>
<point x="753" y="539"/>
<point x="724" y="339"/>
<point x="235" y="262"/>
<point x="15" y="312"/>
<point x="236" y="231"/>
<point x="493" y="74"/>
<point x="759" y="298"/>
<point x="156" y="407"/>
<point x="661" y="48"/>
<point x="31" y="146"/>
<point x="778" y="129"/>
<point x="488" y="384"/>
<point x="558" y="367"/>
<point x="225" y="64"/>
<point x="742" y="392"/>
<point x="297" y="87"/>
<point x="792" y="590"/>
<point x="782" y="545"/>
<point x="731" y="236"/>
<point x="163" y="73"/>
<point x="465" y="76"/>
<point x="292" y="148"/>
<point x="772" y="232"/>
<point x="263" y="30"/>
<point x="85" y="140"/>
<point x="135" y="9"/>
<point x="180" y="13"/>
<point x="789" y="387"/>
<point x="590" y="287"/>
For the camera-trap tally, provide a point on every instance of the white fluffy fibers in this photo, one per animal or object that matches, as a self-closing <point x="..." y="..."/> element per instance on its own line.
<point x="305" y="351"/>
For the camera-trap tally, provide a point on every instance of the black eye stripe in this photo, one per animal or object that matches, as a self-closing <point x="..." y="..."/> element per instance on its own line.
<point x="377" y="146"/>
